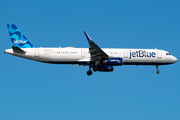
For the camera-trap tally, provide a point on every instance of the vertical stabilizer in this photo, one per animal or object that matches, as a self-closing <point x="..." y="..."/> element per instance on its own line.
<point x="17" y="37"/>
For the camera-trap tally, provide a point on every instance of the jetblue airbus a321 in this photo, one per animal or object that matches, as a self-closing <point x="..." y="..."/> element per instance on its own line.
<point x="98" y="59"/>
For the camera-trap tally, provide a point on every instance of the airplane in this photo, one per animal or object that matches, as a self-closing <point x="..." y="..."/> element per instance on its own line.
<point x="98" y="59"/>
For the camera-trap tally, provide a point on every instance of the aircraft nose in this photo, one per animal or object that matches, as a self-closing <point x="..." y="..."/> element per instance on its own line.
<point x="174" y="59"/>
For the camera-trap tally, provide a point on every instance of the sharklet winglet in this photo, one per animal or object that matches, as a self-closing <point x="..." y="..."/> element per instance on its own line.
<point x="87" y="36"/>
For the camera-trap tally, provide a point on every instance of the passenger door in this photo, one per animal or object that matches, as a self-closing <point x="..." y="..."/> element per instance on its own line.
<point x="125" y="54"/>
<point x="36" y="52"/>
<point x="159" y="54"/>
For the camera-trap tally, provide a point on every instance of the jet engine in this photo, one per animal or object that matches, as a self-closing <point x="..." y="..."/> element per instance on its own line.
<point x="103" y="68"/>
<point x="113" y="61"/>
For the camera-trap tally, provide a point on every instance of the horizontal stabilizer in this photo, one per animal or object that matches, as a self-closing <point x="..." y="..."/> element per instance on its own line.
<point x="17" y="49"/>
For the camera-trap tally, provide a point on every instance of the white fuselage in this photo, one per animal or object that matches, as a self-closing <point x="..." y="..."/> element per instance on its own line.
<point x="82" y="56"/>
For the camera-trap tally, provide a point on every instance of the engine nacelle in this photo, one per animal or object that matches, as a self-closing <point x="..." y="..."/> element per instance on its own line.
<point x="103" y="68"/>
<point x="113" y="61"/>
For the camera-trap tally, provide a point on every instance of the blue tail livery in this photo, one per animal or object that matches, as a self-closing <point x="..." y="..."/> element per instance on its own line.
<point x="17" y="37"/>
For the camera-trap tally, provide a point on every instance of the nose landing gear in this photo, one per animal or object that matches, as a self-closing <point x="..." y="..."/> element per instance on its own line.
<point x="89" y="72"/>
<point x="157" y="67"/>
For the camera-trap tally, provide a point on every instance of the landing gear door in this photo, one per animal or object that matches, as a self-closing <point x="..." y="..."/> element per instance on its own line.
<point x="36" y="52"/>
<point x="159" y="54"/>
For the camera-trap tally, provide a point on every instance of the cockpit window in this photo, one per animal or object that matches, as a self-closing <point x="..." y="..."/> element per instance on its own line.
<point x="168" y="54"/>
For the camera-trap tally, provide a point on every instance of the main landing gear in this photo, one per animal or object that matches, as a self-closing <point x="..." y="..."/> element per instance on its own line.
<point x="89" y="72"/>
<point x="157" y="67"/>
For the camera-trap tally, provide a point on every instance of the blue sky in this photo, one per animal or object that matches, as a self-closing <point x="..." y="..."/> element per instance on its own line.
<point x="32" y="90"/>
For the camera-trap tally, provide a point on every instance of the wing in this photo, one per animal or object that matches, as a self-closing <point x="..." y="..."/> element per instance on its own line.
<point x="97" y="54"/>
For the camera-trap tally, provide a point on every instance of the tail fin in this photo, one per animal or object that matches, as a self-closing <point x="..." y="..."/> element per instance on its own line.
<point x="17" y="37"/>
